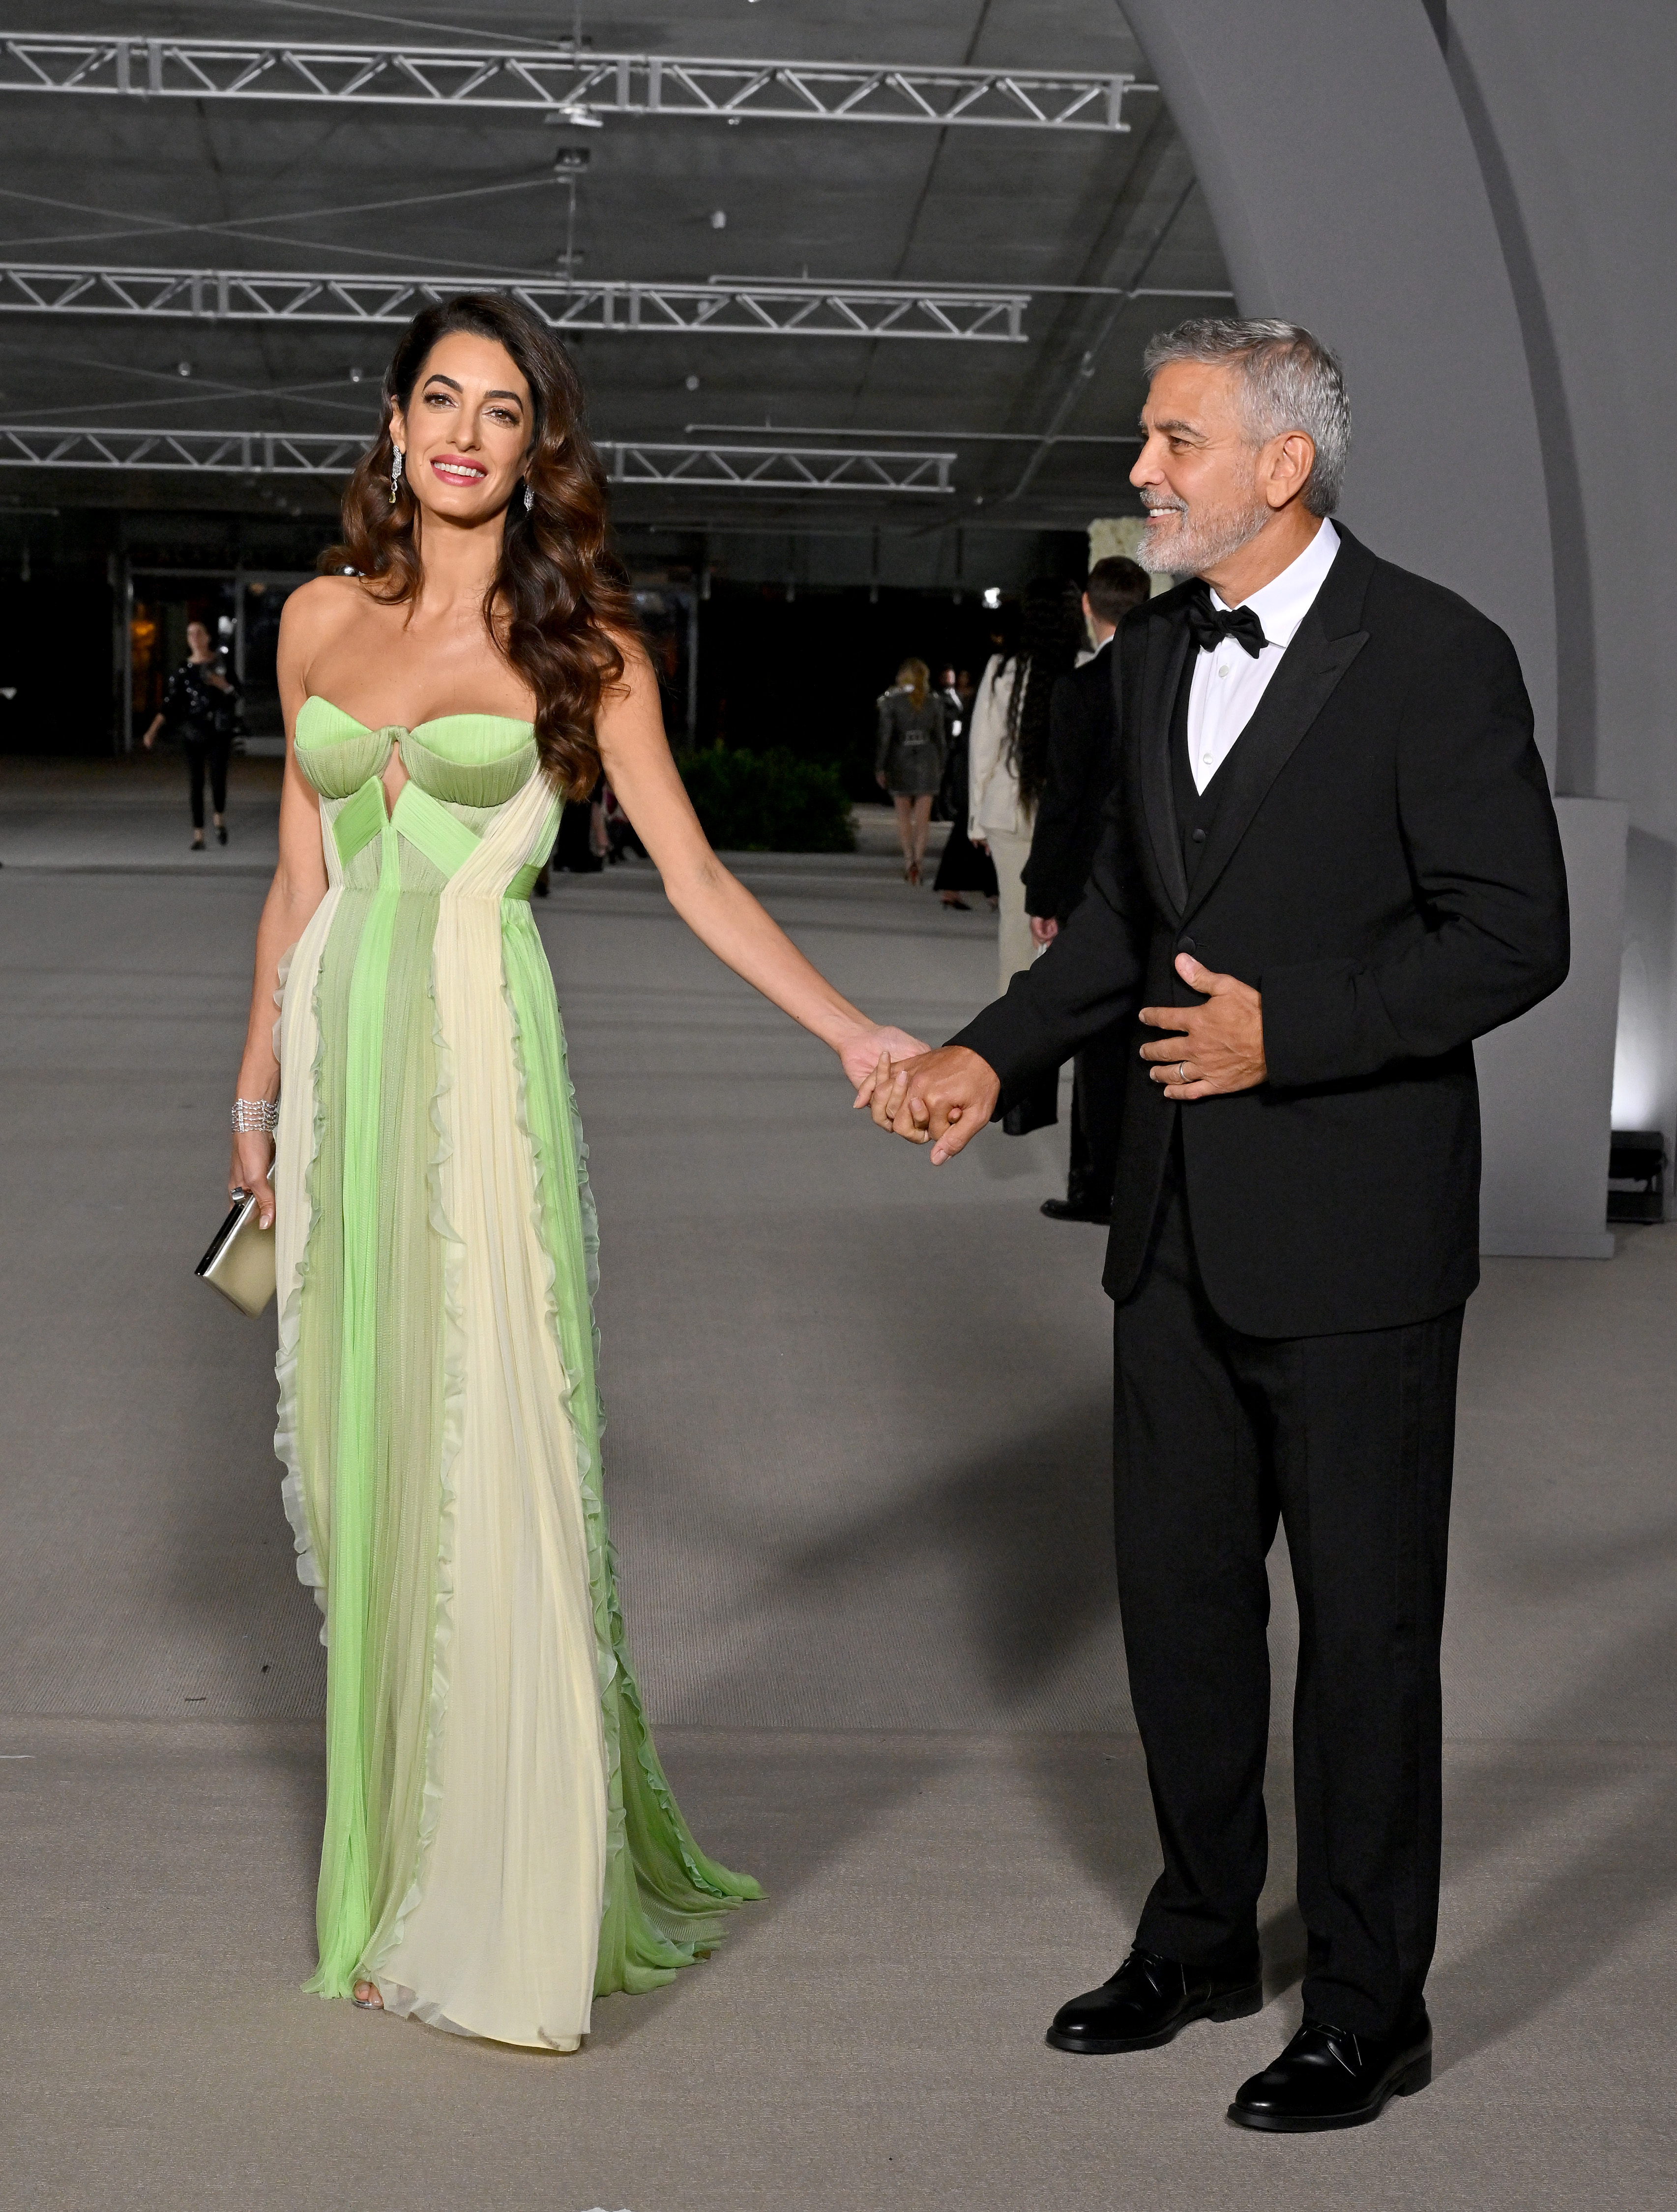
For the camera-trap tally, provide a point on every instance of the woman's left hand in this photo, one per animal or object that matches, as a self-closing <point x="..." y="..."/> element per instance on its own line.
<point x="881" y="779"/>
<point x="862" y="1055"/>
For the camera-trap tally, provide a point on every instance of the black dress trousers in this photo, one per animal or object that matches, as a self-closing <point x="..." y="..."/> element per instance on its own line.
<point x="1348" y="1439"/>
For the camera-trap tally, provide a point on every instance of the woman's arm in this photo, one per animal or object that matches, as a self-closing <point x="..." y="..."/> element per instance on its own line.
<point x="299" y="886"/>
<point x="715" y="906"/>
<point x="886" y="731"/>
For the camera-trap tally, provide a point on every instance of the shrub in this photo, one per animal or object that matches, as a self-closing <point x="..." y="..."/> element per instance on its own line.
<point x="767" y="802"/>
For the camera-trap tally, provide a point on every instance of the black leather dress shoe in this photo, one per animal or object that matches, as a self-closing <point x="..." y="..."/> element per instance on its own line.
<point x="1077" y="1209"/>
<point x="1329" y="2078"/>
<point x="1148" y="2001"/>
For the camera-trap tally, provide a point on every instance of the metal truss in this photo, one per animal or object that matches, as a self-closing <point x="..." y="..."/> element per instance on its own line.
<point x="773" y="310"/>
<point x="773" y="469"/>
<point x="564" y="80"/>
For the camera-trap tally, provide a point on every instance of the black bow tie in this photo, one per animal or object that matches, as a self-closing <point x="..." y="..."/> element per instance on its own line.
<point x="1211" y="625"/>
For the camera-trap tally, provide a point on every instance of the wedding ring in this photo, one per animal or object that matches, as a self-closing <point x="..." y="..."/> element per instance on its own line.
<point x="1181" y="1071"/>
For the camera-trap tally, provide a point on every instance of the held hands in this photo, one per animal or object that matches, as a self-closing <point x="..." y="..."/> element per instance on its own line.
<point x="941" y="1098"/>
<point x="1044" y="929"/>
<point x="864" y="1055"/>
<point x="1213" y="1048"/>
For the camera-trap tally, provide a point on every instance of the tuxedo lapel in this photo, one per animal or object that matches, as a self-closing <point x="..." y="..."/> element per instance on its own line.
<point x="1161" y="674"/>
<point x="1323" y="648"/>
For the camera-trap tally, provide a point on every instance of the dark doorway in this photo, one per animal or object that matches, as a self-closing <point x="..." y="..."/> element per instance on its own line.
<point x="804" y="672"/>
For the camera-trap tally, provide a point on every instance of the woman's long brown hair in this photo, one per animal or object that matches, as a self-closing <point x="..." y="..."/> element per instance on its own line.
<point x="559" y="592"/>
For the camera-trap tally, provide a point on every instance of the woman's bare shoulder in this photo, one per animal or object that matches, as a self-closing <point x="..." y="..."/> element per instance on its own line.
<point x="321" y="609"/>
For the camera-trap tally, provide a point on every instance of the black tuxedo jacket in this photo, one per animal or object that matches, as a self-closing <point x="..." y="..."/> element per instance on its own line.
<point x="1082" y="708"/>
<point x="1383" y="866"/>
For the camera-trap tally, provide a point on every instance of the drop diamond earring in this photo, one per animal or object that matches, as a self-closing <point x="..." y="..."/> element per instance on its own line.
<point x="528" y="498"/>
<point x="395" y="474"/>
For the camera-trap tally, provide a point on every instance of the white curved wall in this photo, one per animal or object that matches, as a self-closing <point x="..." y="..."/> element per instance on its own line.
<point x="1334" y="152"/>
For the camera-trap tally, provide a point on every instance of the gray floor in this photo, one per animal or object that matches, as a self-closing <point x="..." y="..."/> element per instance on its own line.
<point x="856" y="1462"/>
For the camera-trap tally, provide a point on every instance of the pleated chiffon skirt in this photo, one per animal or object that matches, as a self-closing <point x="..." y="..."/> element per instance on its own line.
<point x="501" y="1843"/>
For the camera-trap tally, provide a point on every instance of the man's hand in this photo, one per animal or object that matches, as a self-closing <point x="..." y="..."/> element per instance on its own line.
<point x="942" y="1098"/>
<point x="1044" y="929"/>
<point x="1215" y="1047"/>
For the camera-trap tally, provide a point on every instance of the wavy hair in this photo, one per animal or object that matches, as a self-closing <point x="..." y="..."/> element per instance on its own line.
<point x="1051" y="633"/>
<point x="918" y="677"/>
<point x="558" y="593"/>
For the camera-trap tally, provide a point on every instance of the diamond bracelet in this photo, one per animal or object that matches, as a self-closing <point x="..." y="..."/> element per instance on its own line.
<point x="259" y="1116"/>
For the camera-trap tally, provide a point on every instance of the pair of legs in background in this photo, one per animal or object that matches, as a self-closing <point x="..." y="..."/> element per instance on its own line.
<point x="1347" y="1441"/>
<point x="210" y="750"/>
<point x="913" y="819"/>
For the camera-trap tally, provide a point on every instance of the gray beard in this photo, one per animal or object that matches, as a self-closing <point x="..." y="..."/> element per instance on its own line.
<point x="1199" y="540"/>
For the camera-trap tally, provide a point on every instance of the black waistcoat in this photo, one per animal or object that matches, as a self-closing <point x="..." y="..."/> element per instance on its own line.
<point x="1195" y="810"/>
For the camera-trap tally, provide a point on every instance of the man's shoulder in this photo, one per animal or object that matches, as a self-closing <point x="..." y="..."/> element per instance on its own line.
<point x="1400" y="599"/>
<point x="1094" y="677"/>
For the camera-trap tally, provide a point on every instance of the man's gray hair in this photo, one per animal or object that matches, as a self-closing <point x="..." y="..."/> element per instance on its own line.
<point x="1289" y="381"/>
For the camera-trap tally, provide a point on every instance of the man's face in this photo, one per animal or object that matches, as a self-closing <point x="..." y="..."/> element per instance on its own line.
<point x="1197" y="470"/>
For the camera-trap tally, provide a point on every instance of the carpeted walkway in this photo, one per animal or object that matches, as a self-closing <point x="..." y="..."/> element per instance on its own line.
<point x="856" y="1462"/>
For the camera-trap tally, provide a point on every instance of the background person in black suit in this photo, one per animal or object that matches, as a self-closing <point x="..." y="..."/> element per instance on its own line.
<point x="1082" y="763"/>
<point x="1329" y="863"/>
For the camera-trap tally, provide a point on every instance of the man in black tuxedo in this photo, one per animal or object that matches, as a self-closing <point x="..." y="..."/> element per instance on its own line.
<point x="1329" y="863"/>
<point x="1082" y="763"/>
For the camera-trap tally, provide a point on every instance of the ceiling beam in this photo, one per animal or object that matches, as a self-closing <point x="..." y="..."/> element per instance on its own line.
<point x="769" y="469"/>
<point x="564" y="81"/>
<point x="784" y="309"/>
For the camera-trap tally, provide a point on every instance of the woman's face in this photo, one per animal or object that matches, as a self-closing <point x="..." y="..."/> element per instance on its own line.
<point x="197" y="641"/>
<point x="467" y="429"/>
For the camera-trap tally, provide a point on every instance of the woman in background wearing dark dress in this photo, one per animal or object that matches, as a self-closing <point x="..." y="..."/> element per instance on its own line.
<point x="964" y="866"/>
<point x="908" y="759"/>
<point x="204" y="699"/>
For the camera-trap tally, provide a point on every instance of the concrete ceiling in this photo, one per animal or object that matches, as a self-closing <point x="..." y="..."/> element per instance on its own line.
<point x="219" y="184"/>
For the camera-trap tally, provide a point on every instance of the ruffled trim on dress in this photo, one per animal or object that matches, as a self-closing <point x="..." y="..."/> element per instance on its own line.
<point x="651" y="1954"/>
<point x="454" y="1430"/>
<point x="287" y="1446"/>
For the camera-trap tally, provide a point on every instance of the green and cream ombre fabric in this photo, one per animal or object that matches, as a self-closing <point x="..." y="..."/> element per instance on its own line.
<point x="501" y="1843"/>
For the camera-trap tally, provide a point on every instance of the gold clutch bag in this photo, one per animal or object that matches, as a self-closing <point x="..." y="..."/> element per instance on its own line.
<point x="239" y="1262"/>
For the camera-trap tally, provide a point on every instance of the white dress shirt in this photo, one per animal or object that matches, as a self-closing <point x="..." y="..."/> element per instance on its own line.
<point x="1229" y="682"/>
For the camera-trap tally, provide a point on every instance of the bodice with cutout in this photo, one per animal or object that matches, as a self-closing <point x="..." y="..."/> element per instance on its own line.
<point x="462" y="770"/>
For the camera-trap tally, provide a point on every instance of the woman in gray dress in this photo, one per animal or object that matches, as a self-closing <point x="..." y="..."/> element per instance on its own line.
<point x="908" y="760"/>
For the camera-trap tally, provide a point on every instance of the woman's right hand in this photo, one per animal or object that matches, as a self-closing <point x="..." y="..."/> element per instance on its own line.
<point x="252" y="1166"/>
<point x="881" y="779"/>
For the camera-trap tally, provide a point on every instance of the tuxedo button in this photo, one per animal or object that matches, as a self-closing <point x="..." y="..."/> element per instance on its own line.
<point x="1199" y="836"/>
<point x="1184" y="944"/>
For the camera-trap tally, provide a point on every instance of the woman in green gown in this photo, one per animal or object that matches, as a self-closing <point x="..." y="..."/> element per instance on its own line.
<point x="501" y="1843"/>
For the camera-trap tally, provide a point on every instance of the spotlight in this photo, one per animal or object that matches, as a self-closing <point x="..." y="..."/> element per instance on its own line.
<point x="993" y="596"/>
<point x="718" y="219"/>
<point x="183" y="368"/>
<point x="692" y="383"/>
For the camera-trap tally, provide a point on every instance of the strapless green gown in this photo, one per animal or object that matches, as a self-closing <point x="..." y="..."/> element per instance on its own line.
<point x="501" y="1843"/>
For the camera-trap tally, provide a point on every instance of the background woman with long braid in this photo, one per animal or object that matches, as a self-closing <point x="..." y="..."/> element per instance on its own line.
<point x="1010" y="750"/>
